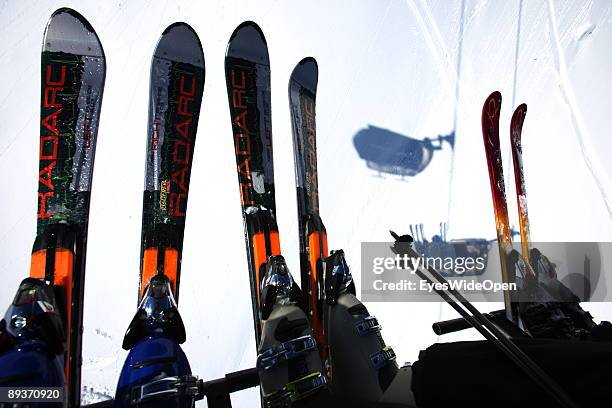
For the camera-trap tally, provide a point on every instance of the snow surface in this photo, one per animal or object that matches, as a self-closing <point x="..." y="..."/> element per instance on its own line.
<point x="419" y="68"/>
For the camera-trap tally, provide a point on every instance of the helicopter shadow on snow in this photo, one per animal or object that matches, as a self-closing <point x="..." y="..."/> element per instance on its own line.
<point x="393" y="153"/>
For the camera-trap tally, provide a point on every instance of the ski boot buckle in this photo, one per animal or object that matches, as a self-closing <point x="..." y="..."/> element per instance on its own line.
<point x="368" y="325"/>
<point x="382" y="358"/>
<point x="296" y="390"/>
<point x="286" y="351"/>
<point x="165" y="388"/>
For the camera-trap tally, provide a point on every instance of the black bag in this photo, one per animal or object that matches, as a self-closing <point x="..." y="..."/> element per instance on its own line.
<point x="476" y="374"/>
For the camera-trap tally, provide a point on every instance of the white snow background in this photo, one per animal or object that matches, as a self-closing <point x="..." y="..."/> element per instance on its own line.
<point x="419" y="68"/>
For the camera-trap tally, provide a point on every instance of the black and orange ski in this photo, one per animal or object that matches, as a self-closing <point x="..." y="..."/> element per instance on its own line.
<point x="175" y="96"/>
<point x="73" y="70"/>
<point x="247" y="73"/>
<point x="313" y="236"/>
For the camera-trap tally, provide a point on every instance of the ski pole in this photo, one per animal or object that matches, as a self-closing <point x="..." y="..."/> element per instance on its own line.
<point x="495" y="335"/>
<point x="458" y="324"/>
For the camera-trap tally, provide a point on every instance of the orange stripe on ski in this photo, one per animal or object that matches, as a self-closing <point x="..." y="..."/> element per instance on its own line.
<point x="275" y="243"/>
<point x="64" y="262"/>
<point x="259" y="258"/>
<point x="314" y="255"/>
<point x="260" y="254"/>
<point x="37" y="264"/>
<point x="317" y="251"/>
<point x="149" y="268"/>
<point x="62" y="277"/>
<point x="171" y="267"/>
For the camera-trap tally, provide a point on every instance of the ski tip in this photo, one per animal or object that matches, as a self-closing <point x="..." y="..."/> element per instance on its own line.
<point x="179" y="42"/>
<point x="68" y="31"/>
<point x="248" y="42"/>
<point x="521" y="110"/>
<point x="306" y="73"/>
<point x="490" y="110"/>
<point x="516" y="123"/>
<point x="496" y="96"/>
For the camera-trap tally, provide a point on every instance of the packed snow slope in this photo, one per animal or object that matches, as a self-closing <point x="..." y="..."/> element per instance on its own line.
<point x="417" y="68"/>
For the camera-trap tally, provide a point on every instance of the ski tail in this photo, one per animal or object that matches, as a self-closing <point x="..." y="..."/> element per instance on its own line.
<point x="516" y="127"/>
<point x="73" y="71"/>
<point x="313" y="236"/>
<point x="247" y="72"/>
<point x="175" y="97"/>
<point x="490" y="132"/>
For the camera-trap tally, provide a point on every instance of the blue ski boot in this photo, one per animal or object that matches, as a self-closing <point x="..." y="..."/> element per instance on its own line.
<point x="156" y="372"/>
<point x="32" y="339"/>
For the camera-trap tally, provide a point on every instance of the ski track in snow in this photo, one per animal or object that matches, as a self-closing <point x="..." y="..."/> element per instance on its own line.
<point x="599" y="174"/>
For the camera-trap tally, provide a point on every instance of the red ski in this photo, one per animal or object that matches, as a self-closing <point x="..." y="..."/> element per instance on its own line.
<point x="490" y="133"/>
<point x="516" y="127"/>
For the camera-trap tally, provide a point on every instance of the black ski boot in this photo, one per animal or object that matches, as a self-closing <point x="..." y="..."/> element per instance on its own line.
<point x="289" y="365"/>
<point x="363" y="368"/>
